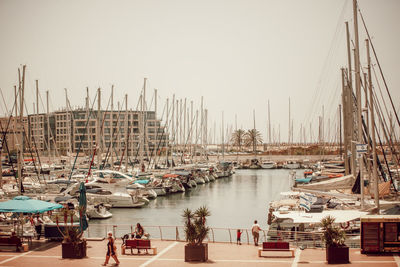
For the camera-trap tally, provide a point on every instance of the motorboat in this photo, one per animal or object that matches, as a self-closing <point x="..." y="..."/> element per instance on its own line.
<point x="268" y="165"/>
<point x="98" y="211"/>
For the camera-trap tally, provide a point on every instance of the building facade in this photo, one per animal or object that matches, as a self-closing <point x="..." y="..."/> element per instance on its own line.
<point x="81" y="130"/>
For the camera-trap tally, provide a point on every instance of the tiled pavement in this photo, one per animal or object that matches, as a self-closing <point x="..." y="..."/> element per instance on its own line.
<point x="171" y="253"/>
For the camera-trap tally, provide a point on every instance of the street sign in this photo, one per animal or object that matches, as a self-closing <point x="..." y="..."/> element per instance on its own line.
<point x="361" y="148"/>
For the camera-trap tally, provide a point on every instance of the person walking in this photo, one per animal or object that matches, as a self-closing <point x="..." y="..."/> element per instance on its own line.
<point x="111" y="250"/>
<point x="255" y="230"/>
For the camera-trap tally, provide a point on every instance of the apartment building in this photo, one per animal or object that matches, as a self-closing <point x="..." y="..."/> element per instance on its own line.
<point x="77" y="130"/>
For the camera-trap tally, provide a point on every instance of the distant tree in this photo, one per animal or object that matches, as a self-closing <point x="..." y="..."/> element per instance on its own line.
<point x="238" y="138"/>
<point x="253" y="138"/>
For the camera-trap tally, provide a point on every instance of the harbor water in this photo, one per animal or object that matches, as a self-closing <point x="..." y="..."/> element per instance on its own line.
<point x="234" y="202"/>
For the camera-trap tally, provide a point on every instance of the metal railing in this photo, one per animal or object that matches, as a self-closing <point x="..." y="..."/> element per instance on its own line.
<point x="226" y="235"/>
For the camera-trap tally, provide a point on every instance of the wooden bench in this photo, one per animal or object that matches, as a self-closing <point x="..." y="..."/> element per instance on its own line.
<point x="11" y="242"/>
<point x="277" y="247"/>
<point x="137" y="244"/>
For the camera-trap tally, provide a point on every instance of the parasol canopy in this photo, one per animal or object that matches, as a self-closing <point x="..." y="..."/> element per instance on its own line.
<point x="24" y="204"/>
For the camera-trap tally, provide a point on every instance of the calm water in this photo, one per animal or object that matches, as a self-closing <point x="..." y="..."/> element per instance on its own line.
<point x="234" y="202"/>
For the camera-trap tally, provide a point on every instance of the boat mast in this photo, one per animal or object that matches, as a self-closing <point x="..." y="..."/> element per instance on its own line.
<point x="98" y="134"/>
<point x="372" y="117"/>
<point x="21" y="115"/>
<point x="112" y="127"/>
<point x="358" y="96"/>
<point x="48" y="128"/>
<point x="254" y="134"/>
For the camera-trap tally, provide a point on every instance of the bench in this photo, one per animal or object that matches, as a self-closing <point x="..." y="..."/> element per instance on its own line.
<point x="137" y="244"/>
<point x="13" y="242"/>
<point x="277" y="247"/>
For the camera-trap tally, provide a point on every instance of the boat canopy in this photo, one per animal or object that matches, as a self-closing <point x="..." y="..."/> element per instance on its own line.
<point x="341" y="216"/>
<point x="170" y="175"/>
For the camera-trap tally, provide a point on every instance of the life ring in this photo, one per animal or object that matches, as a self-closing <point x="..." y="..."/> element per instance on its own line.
<point x="346" y="226"/>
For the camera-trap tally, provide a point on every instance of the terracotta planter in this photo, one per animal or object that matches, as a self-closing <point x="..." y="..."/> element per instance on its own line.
<point x="337" y="255"/>
<point x="196" y="252"/>
<point x="74" y="250"/>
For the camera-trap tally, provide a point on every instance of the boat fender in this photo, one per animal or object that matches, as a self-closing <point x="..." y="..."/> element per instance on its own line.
<point x="345" y="226"/>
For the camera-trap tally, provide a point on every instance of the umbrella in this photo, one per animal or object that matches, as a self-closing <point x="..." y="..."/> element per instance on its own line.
<point x="25" y="204"/>
<point x="82" y="207"/>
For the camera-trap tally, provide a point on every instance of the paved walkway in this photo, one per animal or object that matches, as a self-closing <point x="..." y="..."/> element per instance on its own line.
<point x="171" y="253"/>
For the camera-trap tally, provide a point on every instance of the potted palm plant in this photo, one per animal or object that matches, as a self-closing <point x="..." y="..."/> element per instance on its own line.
<point x="73" y="244"/>
<point x="195" y="232"/>
<point x="336" y="250"/>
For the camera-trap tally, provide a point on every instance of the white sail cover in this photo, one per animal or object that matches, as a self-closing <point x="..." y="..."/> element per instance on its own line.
<point x="331" y="184"/>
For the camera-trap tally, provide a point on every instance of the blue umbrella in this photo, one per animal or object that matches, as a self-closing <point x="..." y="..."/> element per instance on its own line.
<point x="82" y="207"/>
<point x="25" y="204"/>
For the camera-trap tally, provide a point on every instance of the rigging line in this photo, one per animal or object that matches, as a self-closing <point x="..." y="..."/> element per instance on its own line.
<point x="379" y="65"/>
<point x="30" y="145"/>
<point x="384" y="103"/>
<point x="378" y="112"/>
<point x="384" y="126"/>
<point x="324" y="71"/>
<point x="158" y="145"/>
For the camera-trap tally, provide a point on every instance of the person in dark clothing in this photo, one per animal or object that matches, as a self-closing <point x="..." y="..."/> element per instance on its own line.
<point x="111" y="250"/>
<point x="139" y="231"/>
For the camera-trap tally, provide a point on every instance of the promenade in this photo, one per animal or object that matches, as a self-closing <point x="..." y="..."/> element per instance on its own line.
<point x="171" y="253"/>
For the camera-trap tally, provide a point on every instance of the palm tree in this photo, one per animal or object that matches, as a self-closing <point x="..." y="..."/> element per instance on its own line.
<point x="253" y="138"/>
<point x="238" y="138"/>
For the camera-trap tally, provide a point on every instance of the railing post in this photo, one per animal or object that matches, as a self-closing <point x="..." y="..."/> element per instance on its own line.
<point x="265" y="237"/>
<point x="247" y="234"/>
<point x="114" y="227"/>
<point x="159" y="227"/>
<point x="230" y="236"/>
<point x="212" y="231"/>
<point x="313" y="237"/>
<point x="176" y="233"/>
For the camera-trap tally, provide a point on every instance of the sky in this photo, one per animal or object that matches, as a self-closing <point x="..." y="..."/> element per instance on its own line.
<point x="237" y="54"/>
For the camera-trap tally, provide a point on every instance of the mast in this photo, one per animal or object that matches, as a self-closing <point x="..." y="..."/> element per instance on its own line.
<point x="21" y="116"/>
<point x="156" y="128"/>
<point x="358" y="95"/>
<point x="48" y="127"/>
<point x="289" y="135"/>
<point x="112" y="128"/>
<point x="98" y="134"/>
<point x="126" y="133"/>
<point x="254" y="134"/>
<point x="372" y="117"/>
<point x="223" y="142"/>
<point x="37" y="108"/>
<point x="269" y="124"/>
<point x="167" y="129"/>
<point x="349" y="113"/>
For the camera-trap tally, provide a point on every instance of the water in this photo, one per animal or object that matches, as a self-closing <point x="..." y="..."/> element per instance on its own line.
<point x="234" y="202"/>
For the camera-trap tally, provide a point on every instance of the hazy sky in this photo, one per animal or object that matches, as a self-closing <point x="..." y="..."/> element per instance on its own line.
<point x="237" y="54"/>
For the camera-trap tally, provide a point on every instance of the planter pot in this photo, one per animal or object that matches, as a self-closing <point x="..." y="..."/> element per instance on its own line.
<point x="196" y="252"/>
<point x="74" y="250"/>
<point x="337" y="255"/>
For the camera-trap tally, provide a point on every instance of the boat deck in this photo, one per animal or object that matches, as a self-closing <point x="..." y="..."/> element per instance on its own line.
<point x="171" y="253"/>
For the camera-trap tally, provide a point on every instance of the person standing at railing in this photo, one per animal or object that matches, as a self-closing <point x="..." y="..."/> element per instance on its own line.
<point x="255" y="230"/>
<point x="238" y="235"/>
